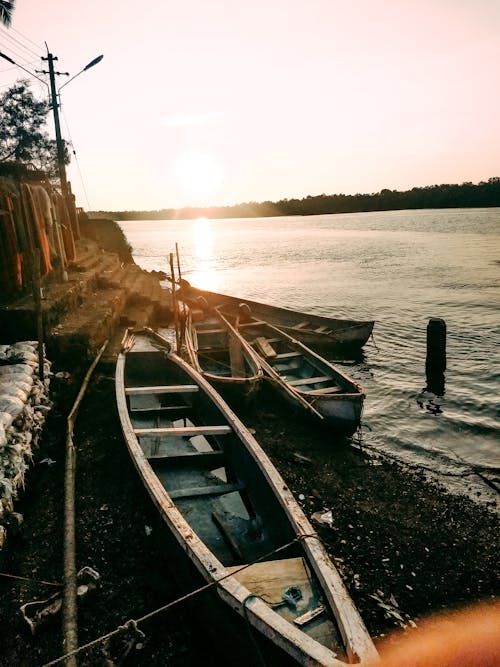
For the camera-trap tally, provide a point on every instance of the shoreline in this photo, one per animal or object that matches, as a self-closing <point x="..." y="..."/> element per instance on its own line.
<point x="405" y="547"/>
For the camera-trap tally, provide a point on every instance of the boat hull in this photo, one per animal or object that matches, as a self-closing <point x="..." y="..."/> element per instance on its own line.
<point x="304" y="378"/>
<point x="313" y="330"/>
<point x="220" y="355"/>
<point x="183" y="478"/>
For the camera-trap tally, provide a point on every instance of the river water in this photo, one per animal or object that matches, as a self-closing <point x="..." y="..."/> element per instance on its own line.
<point x="399" y="268"/>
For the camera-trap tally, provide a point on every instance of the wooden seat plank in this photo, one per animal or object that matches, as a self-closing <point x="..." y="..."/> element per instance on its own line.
<point x="163" y="389"/>
<point x="209" y="331"/>
<point x="255" y="323"/>
<point x="185" y="431"/>
<point x="195" y="491"/>
<point x="312" y="380"/>
<point x="208" y="459"/>
<point x="328" y="390"/>
<point x="300" y="325"/>
<point x="265" y="348"/>
<point x="162" y="409"/>
<point x="236" y="357"/>
<point x="269" y="579"/>
<point x="288" y="355"/>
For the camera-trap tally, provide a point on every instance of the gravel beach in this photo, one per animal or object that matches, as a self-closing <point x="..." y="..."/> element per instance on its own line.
<point x="404" y="547"/>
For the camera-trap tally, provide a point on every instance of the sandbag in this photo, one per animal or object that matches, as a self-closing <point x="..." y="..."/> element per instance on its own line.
<point x="28" y="345"/>
<point x="15" y="390"/>
<point x="15" y="369"/>
<point x="21" y="381"/>
<point x="11" y="404"/>
<point x="15" y="387"/>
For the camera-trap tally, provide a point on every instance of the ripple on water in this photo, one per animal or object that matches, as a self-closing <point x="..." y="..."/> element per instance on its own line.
<point x="399" y="268"/>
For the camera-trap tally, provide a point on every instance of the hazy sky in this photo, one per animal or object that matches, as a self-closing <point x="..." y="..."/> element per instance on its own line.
<point x="205" y="102"/>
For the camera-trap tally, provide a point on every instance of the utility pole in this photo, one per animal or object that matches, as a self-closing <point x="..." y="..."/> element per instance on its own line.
<point x="55" y="108"/>
<point x="55" y="105"/>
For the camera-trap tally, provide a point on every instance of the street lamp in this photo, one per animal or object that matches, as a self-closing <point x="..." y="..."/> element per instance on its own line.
<point x="91" y="64"/>
<point x="55" y="108"/>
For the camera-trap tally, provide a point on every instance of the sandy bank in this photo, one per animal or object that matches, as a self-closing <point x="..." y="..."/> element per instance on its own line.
<point x="404" y="547"/>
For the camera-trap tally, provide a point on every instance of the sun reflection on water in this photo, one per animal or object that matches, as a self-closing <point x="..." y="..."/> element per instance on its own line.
<point x="204" y="276"/>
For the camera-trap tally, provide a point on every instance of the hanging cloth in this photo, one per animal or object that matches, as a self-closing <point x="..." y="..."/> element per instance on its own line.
<point x="67" y="234"/>
<point x="56" y="227"/>
<point x="42" y="200"/>
<point x="11" y="278"/>
<point x="35" y="220"/>
<point x="71" y="205"/>
<point x="11" y="188"/>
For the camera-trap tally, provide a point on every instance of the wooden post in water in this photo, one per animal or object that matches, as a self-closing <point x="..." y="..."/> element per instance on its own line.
<point x="37" y="298"/>
<point x="435" y="364"/>
<point x="174" y="303"/>
<point x="183" y="323"/>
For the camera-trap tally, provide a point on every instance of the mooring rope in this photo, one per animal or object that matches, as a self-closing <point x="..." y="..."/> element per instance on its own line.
<point x="31" y="581"/>
<point x="215" y="361"/>
<point x="134" y="622"/>
<point x="372" y="336"/>
<point x="69" y="598"/>
<point x="258" y="652"/>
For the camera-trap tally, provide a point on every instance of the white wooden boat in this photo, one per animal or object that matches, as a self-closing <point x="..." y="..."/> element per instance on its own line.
<point x="220" y="354"/>
<point x="303" y="377"/>
<point x="232" y="517"/>
<point x="313" y="330"/>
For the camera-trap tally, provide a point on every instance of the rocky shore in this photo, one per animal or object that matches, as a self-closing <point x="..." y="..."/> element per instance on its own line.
<point x="404" y="546"/>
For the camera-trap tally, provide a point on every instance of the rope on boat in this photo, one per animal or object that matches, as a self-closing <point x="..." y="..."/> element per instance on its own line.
<point x="31" y="581"/>
<point x="258" y="652"/>
<point x="69" y="600"/>
<point x="372" y="336"/>
<point x="215" y="361"/>
<point x="134" y="622"/>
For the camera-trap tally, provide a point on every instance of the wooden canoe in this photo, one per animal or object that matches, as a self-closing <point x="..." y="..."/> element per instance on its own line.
<point x="305" y="378"/>
<point x="314" y="330"/>
<point x="231" y="515"/>
<point x="220" y="354"/>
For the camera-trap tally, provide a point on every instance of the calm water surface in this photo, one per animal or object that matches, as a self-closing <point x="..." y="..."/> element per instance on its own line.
<point x="399" y="268"/>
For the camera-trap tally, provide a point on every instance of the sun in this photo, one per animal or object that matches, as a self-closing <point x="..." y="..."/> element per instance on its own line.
<point x="198" y="173"/>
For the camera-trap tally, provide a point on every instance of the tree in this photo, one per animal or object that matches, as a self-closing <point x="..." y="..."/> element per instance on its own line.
<point x="6" y="9"/>
<point x="23" y="137"/>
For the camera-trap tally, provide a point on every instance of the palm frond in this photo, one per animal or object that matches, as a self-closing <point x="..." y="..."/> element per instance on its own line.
<point x="6" y="9"/>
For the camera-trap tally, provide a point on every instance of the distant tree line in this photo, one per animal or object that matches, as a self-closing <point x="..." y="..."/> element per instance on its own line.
<point x="466" y="195"/>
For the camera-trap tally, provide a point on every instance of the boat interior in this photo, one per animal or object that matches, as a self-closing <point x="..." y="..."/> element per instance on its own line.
<point x="219" y="489"/>
<point x="219" y="352"/>
<point x="281" y="317"/>
<point x="288" y="360"/>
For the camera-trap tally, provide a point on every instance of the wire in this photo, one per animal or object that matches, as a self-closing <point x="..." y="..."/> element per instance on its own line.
<point x="9" y="69"/>
<point x="17" y="42"/>
<point x="89" y="207"/>
<point x="26" y="38"/>
<point x="22" y="57"/>
<point x="19" y="66"/>
<point x="32" y="581"/>
<point x="197" y="591"/>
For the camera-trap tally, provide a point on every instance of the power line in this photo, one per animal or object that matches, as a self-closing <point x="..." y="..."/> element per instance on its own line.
<point x="19" y="56"/>
<point x="76" y="159"/>
<point x="40" y="48"/>
<point x="9" y="69"/>
<point x="19" y="43"/>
